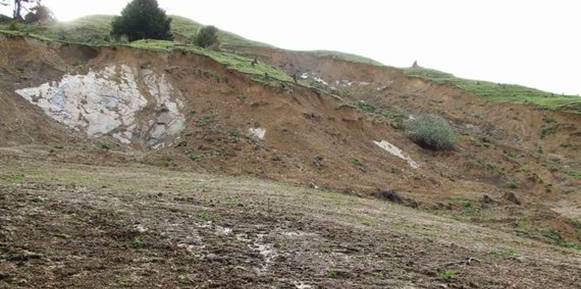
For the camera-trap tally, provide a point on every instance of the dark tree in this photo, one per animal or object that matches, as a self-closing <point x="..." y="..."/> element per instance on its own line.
<point x="19" y="6"/>
<point x="142" y="19"/>
<point x="207" y="37"/>
<point x="39" y="14"/>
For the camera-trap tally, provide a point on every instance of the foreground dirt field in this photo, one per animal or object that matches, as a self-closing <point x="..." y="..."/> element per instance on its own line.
<point x="78" y="226"/>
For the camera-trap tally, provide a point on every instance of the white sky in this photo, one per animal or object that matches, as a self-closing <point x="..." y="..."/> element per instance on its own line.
<point x="533" y="43"/>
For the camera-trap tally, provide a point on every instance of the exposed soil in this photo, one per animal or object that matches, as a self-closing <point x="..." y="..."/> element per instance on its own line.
<point x="61" y="228"/>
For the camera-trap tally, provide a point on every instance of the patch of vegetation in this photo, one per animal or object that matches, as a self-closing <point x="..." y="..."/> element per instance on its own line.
<point x="447" y="275"/>
<point x="546" y="131"/>
<point x="138" y="243"/>
<point x="366" y="107"/>
<point x="575" y="174"/>
<point x="395" y="114"/>
<point x="235" y="135"/>
<point x="513" y="184"/>
<point x="105" y="146"/>
<point x="13" y="178"/>
<point x="206" y="216"/>
<point x="558" y="240"/>
<point x="432" y="132"/>
<point x="502" y="92"/>
<point x="359" y="164"/>
<point x="194" y="157"/>
<point x="469" y="209"/>
<point x="528" y="230"/>
<point x="492" y="167"/>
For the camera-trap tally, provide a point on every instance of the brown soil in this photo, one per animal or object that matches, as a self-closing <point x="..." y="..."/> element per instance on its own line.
<point x="140" y="227"/>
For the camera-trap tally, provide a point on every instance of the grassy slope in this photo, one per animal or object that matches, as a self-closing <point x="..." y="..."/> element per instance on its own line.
<point x="233" y="61"/>
<point x="260" y="72"/>
<point x="502" y="92"/>
<point x="189" y="28"/>
<point x="346" y="57"/>
<point x="95" y="30"/>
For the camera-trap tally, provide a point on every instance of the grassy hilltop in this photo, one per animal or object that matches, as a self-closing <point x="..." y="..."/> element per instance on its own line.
<point x="94" y="30"/>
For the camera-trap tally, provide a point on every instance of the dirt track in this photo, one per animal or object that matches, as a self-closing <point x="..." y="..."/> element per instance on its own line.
<point x="73" y="226"/>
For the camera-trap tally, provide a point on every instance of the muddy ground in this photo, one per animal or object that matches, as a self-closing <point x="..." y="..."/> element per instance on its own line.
<point x="77" y="226"/>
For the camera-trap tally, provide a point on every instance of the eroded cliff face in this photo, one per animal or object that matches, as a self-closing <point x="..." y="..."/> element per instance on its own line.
<point x="134" y="107"/>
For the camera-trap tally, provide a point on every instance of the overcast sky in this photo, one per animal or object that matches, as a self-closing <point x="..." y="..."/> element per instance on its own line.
<point x="534" y="43"/>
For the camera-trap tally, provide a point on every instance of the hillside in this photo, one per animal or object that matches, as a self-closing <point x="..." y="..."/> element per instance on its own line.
<point x="296" y="171"/>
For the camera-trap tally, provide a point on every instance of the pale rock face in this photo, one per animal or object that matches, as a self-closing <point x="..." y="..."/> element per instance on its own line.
<point x="258" y="133"/>
<point x="392" y="149"/>
<point x="170" y="121"/>
<point x="108" y="102"/>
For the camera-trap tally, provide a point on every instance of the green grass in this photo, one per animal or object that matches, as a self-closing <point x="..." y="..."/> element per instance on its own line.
<point x="504" y="253"/>
<point x="95" y="29"/>
<point x="260" y="72"/>
<point x="230" y="60"/>
<point x="346" y="56"/>
<point x="189" y="29"/>
<point x="575" y="174"/>
<point x="502" y="92"/>
<point x="447" y="275"/>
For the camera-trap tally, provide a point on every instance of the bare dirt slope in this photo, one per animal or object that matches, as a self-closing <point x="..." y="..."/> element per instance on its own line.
<point x="291" y="133"/>
<point x="75" y="226"/>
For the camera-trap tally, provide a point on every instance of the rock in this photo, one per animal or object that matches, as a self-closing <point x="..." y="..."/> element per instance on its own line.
<point x="487" y="201"/>
<point x="511" y="197"/>
<point x="391" y="196"/>
<point x="111" y="101"/>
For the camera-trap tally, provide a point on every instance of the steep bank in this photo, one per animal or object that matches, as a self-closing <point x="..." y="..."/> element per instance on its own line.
<point x="187" y="111"/>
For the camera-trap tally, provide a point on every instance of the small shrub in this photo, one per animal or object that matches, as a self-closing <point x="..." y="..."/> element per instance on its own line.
<point x="366" y="107"/>
<point x="194" y="157"/>
<point x="207" y="37"/>
<point x="432" y="132"/>
<point x="105" y="146"/>
<point x="13" y="26"/>
<point x="447" y="275"/>
<point x="513" y="184"/>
